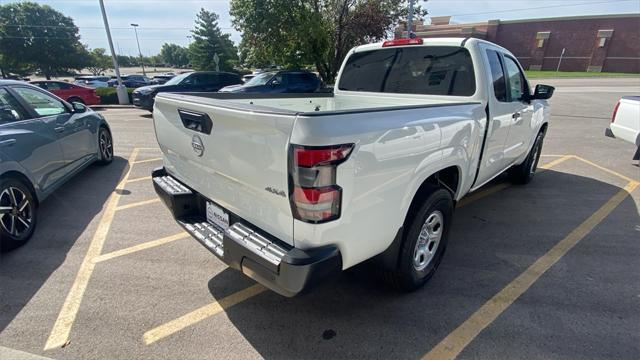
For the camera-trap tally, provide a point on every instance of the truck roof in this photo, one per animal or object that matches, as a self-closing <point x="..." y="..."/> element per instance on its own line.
<point x="445" y="41"/>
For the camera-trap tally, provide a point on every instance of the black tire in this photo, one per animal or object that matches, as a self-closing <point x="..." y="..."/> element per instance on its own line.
<point x="523" y="173"/>
<point x="75" y="99"/>
<point x="412" y="274"/>
<point x="18" y="213"/>
<point x="105" y="146"/>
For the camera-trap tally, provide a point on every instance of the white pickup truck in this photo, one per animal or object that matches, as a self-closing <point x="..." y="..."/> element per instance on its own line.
<point x="292" y="188"/>
<point x="625" y="122"/>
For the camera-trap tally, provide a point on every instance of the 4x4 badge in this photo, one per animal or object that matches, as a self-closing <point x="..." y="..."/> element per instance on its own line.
<point x="196" y="144"/>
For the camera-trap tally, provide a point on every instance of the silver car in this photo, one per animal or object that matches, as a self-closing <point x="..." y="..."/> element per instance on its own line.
<point x="44" y="141"/>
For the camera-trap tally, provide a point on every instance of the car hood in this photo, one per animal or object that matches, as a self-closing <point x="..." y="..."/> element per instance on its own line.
<point x="147" y="88"/>
<point x="235" y="88"/>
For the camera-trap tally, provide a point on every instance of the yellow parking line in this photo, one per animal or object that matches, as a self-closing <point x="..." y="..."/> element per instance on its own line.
<point x="551" y="155"/>
<point x="501" y="186"/>
<point x="62" y="327"/>
<point x="200" y="314"/>
<point x="149" y="148"/>
<point x="147" y="160"/>
<point x="605" y="169"/>
<point x="144" y="178"/>
<point x="136" y="204"/>
<point x="143" y="246"/>
<point x="452" y="345"/>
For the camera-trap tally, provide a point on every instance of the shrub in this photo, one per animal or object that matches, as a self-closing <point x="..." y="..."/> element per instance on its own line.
<point x="108" y="95"/>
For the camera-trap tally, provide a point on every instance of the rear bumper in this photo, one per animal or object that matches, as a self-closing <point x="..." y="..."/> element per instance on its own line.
<point x="284" y="269"/>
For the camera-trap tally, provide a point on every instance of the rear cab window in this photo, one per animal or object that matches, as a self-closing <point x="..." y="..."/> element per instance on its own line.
<point x="497" y="76"/>
<point x="424" y="70"/>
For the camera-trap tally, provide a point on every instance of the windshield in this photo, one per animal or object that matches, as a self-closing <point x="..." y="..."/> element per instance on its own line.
<point x="429" y="70"/>
<point x="178" y="79"/>
<point x="260" y="79"/>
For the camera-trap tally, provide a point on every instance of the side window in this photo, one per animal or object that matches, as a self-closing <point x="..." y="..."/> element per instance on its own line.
<point x="53" y="86"/>
<point x="517" y="84"/>
<point x="497" y="75"/>
<point x="63" y="85"/>
<point x="10" y="109"/>
<point x="42" y="103"/>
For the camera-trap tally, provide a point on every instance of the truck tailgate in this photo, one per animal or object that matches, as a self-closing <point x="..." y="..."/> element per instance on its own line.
<point x="242" y="165"/>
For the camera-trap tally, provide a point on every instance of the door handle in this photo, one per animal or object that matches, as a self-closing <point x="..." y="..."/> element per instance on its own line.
<point x="58" y="129"/>
<point x="8" y="142"/>
<point x="516" y="115"/>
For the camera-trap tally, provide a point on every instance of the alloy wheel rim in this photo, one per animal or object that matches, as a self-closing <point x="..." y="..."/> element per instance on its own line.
<point x="106" y="146"/>
<point x="428" y="240"/>
<point x="16" y="212"/>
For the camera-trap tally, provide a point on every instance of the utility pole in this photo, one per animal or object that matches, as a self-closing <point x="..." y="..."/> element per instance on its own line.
<point x="560" y="61"/>
<point x="410" y="21"/>
<point x="121" y="90"/>
<point x="135" y="28"/>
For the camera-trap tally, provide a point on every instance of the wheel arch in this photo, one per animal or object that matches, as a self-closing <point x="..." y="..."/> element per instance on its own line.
<point x="14" y="174"/>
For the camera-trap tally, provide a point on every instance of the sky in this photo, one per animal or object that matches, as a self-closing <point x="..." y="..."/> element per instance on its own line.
<point x="162" y="21"/>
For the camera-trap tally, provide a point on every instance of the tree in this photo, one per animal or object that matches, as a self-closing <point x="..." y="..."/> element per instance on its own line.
<point x="99" y="61"/>
<point x="174" y="55"/>
<point x="318" y="32"/>
<point x="40" y="37"/>
<point x="208" y="40"/>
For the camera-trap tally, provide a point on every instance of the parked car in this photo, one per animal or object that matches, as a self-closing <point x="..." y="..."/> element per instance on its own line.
<point x="70" y="92"/>
<point x="131" y="81"/>
<point x="161" y="79"/>
<point x="196" y="81"/>
<point x="94" y="82"/>
<point x="286" y="81"/>
<point x="625" y="122"/>
<point x="44" y="141"/>
<point x="292" y="188"/>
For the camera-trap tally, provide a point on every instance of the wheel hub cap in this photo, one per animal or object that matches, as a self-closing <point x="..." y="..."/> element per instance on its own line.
<point x="15" y="211"/>
<point x="428" y="240"/>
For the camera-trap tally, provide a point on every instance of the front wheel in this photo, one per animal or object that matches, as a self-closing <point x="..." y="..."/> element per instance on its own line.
<point x="523" y="173"/>
<point x="105" y="146"/>
<point x="17" y="213"/>
<point x="424" y="242"/>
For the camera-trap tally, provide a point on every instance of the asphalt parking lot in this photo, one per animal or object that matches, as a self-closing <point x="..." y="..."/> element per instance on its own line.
<point x="544" y="271"/>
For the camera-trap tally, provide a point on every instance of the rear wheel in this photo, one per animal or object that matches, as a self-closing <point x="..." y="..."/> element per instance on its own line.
<point x="17" y="213"/>
<point x="105" y="146"/>
<point x="424" y="242"/>
<point x="523" y="173"/>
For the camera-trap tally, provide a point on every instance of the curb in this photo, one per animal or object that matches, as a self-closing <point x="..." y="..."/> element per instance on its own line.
<point x="112" y="106"/>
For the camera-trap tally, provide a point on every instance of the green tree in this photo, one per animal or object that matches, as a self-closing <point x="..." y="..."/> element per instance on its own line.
<point x="208" y="40"/>
<point x="318" y="32"/>
<point x="40" y="37"/>
<point x="174" y="55"/>
<point x="100" y="62"/>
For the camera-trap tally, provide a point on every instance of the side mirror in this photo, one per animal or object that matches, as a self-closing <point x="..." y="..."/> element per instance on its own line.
<point x="275" y="82"/>
<point x="542" y="92"/>
<point x="6" y="115"/>
<point x="78" y="108"/>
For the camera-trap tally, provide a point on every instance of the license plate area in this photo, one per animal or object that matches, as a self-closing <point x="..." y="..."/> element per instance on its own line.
<point x="217" y="216"/>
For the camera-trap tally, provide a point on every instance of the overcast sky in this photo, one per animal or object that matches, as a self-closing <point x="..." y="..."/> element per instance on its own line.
<point x="171" y="20"/>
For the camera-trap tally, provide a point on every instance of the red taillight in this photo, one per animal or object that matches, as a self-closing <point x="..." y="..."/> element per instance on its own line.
<point x="401" y="42"/>
<point x="615" y="111"/>
<point x="315" y="197"/>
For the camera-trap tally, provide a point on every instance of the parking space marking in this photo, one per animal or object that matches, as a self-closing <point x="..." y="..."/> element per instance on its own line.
<point x="139" y="247"/>
<point x="144" y="178"/>
<point x="136" y="204"/>
<point x="605" y="169"/>
<point x="475" y="196"/>
<point x="60" y="333"/>
<point x="454" y="343"/>
<point x="147" y="160"/>
<point x="200" y="314"/>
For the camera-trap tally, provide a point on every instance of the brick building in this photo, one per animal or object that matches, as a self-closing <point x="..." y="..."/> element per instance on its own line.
<point x="609" y="43"/>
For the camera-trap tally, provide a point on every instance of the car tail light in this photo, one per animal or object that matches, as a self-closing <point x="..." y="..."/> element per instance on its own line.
<point x="314" y="195"/>
<point x="615" y="111"/>
<point x="402" y="42"/>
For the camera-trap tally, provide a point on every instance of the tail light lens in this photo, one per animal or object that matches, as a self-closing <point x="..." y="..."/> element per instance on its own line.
<point x="615" y="111"/>
<point x="314" y="195"/>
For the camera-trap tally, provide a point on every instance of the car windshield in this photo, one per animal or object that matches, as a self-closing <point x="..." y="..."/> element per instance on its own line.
<point x="260" y="79"/>
<point x="178" y="79"/>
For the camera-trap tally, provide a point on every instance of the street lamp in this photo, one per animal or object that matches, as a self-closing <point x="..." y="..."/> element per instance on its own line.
<point x="121" y="90"/>
<point x="135" y="29"/>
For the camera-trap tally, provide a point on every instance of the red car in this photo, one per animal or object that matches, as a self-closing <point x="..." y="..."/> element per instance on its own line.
<point x="70" y="92"/>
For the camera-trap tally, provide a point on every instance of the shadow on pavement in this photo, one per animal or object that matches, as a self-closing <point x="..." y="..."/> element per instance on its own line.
<point x="62" y="219"/>
<point x="492" y="242"/>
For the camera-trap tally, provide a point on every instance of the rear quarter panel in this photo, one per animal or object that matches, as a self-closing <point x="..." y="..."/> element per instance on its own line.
<point x="395" y="152"/>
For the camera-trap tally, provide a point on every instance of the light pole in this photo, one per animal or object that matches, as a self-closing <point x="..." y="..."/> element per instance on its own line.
<point x="410" y="20"/>
<point x="121" y="90"/>
<point x="135" y="29"/>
